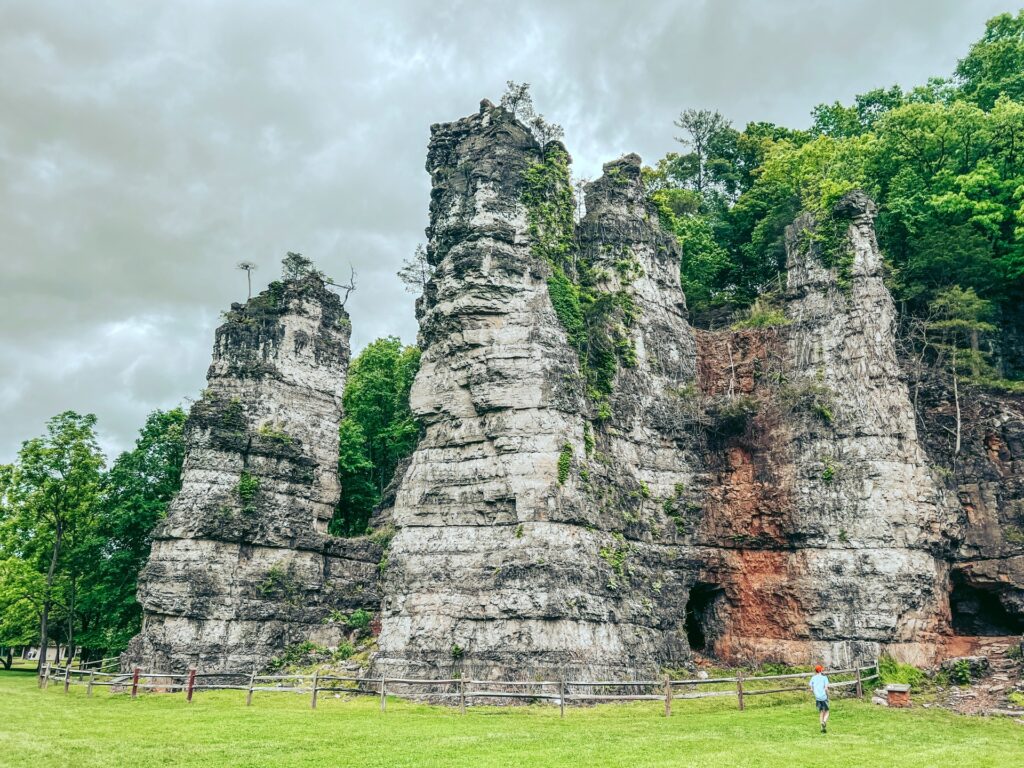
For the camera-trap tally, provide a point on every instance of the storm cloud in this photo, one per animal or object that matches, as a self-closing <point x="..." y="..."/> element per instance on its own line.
<point x="146" y="148"/>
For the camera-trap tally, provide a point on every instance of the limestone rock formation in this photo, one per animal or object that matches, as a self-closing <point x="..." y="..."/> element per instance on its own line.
<point x="756" y="494"/>
<point x="987" y="475"/>
<point x="600" y="490"/>
<point x="853" y="559"/>
<point x="242" y="566"/>
<point x="526" y="519"/>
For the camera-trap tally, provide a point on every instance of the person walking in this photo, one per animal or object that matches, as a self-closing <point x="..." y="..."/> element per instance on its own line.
<point x="819" y="687"/>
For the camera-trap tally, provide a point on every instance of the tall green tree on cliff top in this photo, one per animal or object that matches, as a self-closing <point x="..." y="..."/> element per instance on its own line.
<point x="943" y="161"/>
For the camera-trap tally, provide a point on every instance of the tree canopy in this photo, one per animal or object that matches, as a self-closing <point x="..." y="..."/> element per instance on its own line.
<point x="943" y="161"/>
<point x="378" y="430"/>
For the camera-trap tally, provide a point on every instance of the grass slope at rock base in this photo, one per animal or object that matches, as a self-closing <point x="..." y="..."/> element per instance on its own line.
<point x="217" y="729"/>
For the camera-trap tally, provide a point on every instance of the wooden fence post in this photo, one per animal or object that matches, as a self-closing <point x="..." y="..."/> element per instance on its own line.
<point x="316" y="679"/>
<point x="668" y="696"/>
<point x="67" y="678"/>
<point x="383" y="694"/>
<point x="46" y="676"/>
<point x="191" y="685"/>
<point x="860" y="688"/>
<point x="252" y="682"/>
<point x="135" y="683"/>
<point x="561" y="697"/>
<point x="92" y="676"/>
<point x="739" y="690"/>
<point x="462" y="696"/>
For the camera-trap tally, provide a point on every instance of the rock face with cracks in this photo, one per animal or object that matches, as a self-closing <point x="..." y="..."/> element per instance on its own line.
<point x="547" y="528"/>
<point x="523" y="541"/>
<point x="242" y="566"/>
<point x="849" y="558"/>
<point x="600" y="490"/>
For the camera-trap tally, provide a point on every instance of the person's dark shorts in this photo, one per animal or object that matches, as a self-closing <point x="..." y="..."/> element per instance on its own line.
<point x="822" y="704"/>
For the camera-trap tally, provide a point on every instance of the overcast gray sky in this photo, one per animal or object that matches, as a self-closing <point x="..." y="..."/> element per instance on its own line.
<point x="147" y="147"/>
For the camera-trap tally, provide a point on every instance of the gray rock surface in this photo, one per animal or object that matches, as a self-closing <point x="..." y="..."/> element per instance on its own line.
<point x="871" y="518"/>
<point x="987" y="476"/>
<point x="595" y="503"/>
<point x="242" y="566"/>
<point x="499" y="564"/>
<point x="799" y="537"/>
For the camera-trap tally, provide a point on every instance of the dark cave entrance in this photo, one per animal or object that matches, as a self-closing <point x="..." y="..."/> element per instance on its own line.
<point x="701" y="615"/>
<point x="979" y="611"/>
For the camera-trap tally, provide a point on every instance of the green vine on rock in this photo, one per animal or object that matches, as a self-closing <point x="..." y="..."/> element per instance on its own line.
<point x="615" y="555"/>
<point x="248" y="487"/>
<point x="832" y="238"/>
<point x="595" y="320"/>
<point x="564" y="463"/>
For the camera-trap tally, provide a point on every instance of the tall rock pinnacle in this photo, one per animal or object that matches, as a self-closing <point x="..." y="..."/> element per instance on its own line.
<point x="600" y="490"/>
<point x="857" y="561"/>
<point x="526" y="521"/>
<point x="241" y="567"/>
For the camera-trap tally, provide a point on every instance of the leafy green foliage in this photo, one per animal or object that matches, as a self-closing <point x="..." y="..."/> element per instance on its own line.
<point x="359" y="493"/>
<point x="304" y="654"/>
<point x="762" y="314"/>
<point x="519" y="102"/>
<point x="281" y="583"/>
<point x="828" y="473"/>
<point x="20" y="588"/>
<point x="564" y="463"/>
<point x="358" y="620"/>
<point x="615" y="554"/>
<point x="295" y="266"/>
<point x="378" y="430"/>
<point x="588" y="439"/>
<point x="960" y="674"/>
<point x="247" y="489"/>
<point x="595" y="320"/>
<point x="942" y="161"/>
<point x="995" y="64"/>
<point x="892" y="671"/>
<point x="49" y="511"/>
<point x="271" y="431"/>
<point x="136" y="493"/>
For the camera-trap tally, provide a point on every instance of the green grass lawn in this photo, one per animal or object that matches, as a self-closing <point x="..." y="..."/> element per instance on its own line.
<point x="48" y="728"/>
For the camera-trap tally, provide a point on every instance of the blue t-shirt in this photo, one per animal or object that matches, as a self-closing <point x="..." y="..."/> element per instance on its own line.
<point x="818" y="683"/>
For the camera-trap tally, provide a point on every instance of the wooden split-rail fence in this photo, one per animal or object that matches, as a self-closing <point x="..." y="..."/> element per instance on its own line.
<point x="455" y="691"/>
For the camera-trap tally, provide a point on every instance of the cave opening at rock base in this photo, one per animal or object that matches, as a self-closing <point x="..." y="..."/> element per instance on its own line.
<point x="977" y="610"/>
<point x="702" y="620"/>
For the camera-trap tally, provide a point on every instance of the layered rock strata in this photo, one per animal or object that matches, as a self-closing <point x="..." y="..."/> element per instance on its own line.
<point x="242" y="566"/>
<point x="849" y="558"/>
<point x="542" y="530"/>
<point x="525" y="531"/>
<point x="987" y="476"/>
<point x="600" y="490"/>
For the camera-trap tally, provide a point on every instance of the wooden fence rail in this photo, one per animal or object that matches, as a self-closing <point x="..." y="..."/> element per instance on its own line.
<point x="559" y="692"/>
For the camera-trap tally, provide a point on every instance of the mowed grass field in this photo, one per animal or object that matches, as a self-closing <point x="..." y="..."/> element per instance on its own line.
<point x="49" y="728"/>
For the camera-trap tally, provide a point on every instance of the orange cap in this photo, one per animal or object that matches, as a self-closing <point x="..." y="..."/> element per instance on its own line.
<point x="819" y="668"/>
